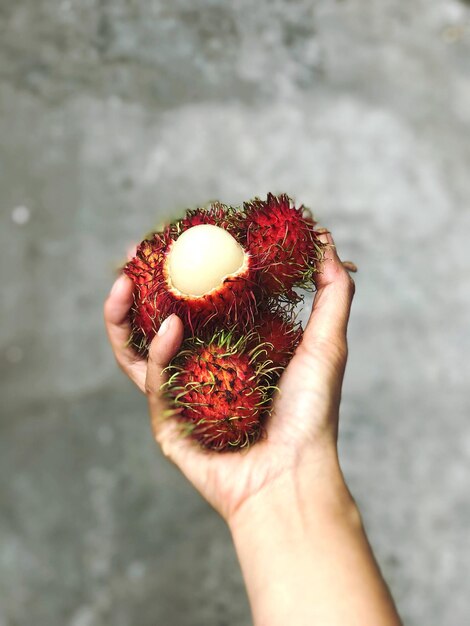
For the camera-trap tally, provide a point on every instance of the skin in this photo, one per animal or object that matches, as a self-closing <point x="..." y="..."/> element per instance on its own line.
<point x="296" y="528"/>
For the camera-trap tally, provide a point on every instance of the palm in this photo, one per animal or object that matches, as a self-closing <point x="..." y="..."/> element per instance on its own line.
<point x="301" y="413"/>
<point x="305" y="411"/>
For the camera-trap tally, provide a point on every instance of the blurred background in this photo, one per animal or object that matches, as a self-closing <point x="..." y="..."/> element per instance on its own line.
<point x="116" y="113"/>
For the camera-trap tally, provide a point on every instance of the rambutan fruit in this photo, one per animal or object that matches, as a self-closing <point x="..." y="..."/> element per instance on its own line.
<point x="144" y="315"/>
<point x="280" y="335"/>
<point x="216" y="213"/>
<point x="218" y="388"/>
<point x="230" y="276"/>
<point x="283" y="242"/>
<point x="201" y="274"/>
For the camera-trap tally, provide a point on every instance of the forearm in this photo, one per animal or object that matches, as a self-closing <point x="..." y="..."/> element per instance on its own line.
<point x="306" y="559"/>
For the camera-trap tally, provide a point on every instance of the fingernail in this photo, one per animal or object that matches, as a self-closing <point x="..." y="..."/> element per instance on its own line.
<point x="117" y="285"/>
<point x="164" y="326"/>
<point x="325" y="237"/>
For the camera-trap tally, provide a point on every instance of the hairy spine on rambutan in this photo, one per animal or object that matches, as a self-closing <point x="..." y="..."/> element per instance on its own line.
<point x="233" y="301"/>
<point x="219" y="390"/>
<point x="279" y="333"/>
<point x="215" y="213"/>
<point x="145" y="316"/>
<point x="283" y="242"/>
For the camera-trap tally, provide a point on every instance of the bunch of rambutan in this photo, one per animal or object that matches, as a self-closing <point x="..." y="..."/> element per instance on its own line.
<point x="230" y="274"/>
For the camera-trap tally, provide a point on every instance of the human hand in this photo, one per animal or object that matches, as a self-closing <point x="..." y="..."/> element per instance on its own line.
<point x="296" y="529"/>
<point x="303" y="425"/>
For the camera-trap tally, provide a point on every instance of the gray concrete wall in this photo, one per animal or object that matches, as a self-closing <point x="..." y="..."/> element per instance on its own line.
<point x="116" y="113"/>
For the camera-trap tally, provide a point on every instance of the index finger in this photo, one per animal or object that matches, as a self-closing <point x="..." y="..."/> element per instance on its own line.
<point x="118" y="328"/>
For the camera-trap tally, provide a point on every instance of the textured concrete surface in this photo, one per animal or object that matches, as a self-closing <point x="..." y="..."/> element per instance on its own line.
<point x="116" y="113"/>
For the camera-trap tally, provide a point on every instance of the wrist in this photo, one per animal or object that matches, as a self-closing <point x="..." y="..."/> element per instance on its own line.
<point x="315" y="488"/>
<point x="304" y="554"/>
<point x="289" y="538"/>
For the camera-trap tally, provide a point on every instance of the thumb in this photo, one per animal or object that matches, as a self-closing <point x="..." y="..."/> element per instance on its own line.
<point x="162" y="349"/>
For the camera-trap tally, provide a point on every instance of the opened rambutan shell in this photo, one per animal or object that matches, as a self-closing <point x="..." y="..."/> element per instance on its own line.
<point x="218" y="391"/>
<point x="216" y="213"/>
<point x="234" y="301"/>
<point x="283" y="243"/>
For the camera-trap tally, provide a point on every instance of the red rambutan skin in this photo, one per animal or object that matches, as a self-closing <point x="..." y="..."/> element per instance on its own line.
<point x="283" y="242"/>
<point x="145" y="315"/>
<point x="218" y="388"/>
<point x="216" y="213"/>
<point x="280" y="336"/>
<point x="219" y="395"/>
<point x="233" y="302"/>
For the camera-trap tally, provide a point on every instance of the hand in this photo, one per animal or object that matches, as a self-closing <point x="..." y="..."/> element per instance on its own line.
<point x="298" y="534"/>
<point x="303" y="425"/>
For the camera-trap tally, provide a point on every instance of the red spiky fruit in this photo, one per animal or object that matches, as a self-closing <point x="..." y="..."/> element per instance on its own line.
<point x="218" y="392"/>
<point x="280" y="335"/>
<point x="283" y="242"/>
<point x="216" y="213"/>
<point x="232" y="300"/>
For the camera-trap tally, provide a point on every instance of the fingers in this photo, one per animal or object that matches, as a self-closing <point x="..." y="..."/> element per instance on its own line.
<point x="116" y="310"/>
<point x="327" y="326"/>
<point x="350" y="266"/>
<point x="162" y="349"/>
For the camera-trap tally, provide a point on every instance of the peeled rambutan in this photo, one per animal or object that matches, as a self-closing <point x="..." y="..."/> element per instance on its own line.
<point x="280" y="335"/>
<point x="219" y="390"/>
<point x="283" y="242"/>
<point x="202" y="274"/>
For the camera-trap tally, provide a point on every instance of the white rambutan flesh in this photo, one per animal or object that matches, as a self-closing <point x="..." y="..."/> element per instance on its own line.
<point x="202" y="258"/>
